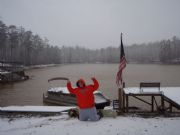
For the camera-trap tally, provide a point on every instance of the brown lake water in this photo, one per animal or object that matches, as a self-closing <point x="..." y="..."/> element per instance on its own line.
<point x="30" y="92"/>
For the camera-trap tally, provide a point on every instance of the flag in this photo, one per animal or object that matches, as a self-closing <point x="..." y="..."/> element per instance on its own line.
<point x="122" y="64"/>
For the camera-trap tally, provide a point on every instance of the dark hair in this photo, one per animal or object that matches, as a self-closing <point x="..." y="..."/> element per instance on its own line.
<point x="77" y="84"/>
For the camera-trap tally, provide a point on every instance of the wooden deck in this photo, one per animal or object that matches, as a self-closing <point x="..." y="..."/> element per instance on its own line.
<point x="157" y="99"/>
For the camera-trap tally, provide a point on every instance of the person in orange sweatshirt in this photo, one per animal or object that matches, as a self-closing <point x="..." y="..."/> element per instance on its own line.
<point x="85" y="99"/>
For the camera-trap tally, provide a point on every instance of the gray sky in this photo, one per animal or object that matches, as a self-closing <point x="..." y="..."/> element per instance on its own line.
<point x="95" y="23"/>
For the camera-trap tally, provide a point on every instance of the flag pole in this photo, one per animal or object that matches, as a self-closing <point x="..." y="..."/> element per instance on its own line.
<point x="120" y="86"/>
<point x="119" y="78"/>
<point x="120" y="54"/>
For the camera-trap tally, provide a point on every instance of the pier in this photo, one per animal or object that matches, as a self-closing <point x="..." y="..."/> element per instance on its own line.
<point x="156" y="99"/>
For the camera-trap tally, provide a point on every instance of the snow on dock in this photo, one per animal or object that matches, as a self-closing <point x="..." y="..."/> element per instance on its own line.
<point x="37" y="109"/>
<point x="171" y="92"/>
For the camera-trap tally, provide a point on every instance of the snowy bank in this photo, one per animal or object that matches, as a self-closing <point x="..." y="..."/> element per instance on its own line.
<point x="62" y="125"/>
<point x="40" y="66"/>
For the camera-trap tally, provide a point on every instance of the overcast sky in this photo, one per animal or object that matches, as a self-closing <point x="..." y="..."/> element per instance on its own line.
<point x="95" y="23"/>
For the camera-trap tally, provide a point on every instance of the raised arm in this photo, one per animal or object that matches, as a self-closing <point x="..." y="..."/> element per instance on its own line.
<point x="69" y="87"/>
<point x="95" y="86"/>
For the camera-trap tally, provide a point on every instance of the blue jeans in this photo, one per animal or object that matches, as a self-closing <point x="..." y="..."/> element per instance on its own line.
<point x="88" y="114"/>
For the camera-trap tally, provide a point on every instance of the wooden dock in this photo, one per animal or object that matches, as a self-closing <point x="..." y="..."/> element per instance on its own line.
<point x="40" y="110"/>
<point x="157" y="99"/>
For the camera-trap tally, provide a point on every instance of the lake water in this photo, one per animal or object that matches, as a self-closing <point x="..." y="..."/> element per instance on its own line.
<point x="30" y="92"/>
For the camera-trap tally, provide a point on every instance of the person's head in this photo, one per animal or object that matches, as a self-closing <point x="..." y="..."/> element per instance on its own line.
<point x="80" y="83"/>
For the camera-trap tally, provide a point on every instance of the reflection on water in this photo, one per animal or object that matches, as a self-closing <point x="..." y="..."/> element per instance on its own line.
<point x="30" y="92"/>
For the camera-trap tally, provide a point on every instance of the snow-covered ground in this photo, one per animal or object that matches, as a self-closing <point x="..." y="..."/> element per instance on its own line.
<point x="62" y="125"/>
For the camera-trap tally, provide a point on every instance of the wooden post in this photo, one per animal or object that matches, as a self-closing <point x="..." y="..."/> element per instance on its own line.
<point x="124" y="85"/>
<point x="170" y="107"/>
<point x="120" y="99"/>
<point x="123" y="101"/>
<point x="127" y="103"/>
<point x="152" y="103"/>
<point x="162" y="102"/>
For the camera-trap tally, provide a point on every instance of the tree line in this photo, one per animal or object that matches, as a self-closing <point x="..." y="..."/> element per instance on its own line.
<point x="165" y="51"/>
<point x="17" y="44"/>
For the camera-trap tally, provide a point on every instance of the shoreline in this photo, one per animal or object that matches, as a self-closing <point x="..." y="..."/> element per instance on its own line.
<point x="41" y="66"/>
<point x="56" y="65"/>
